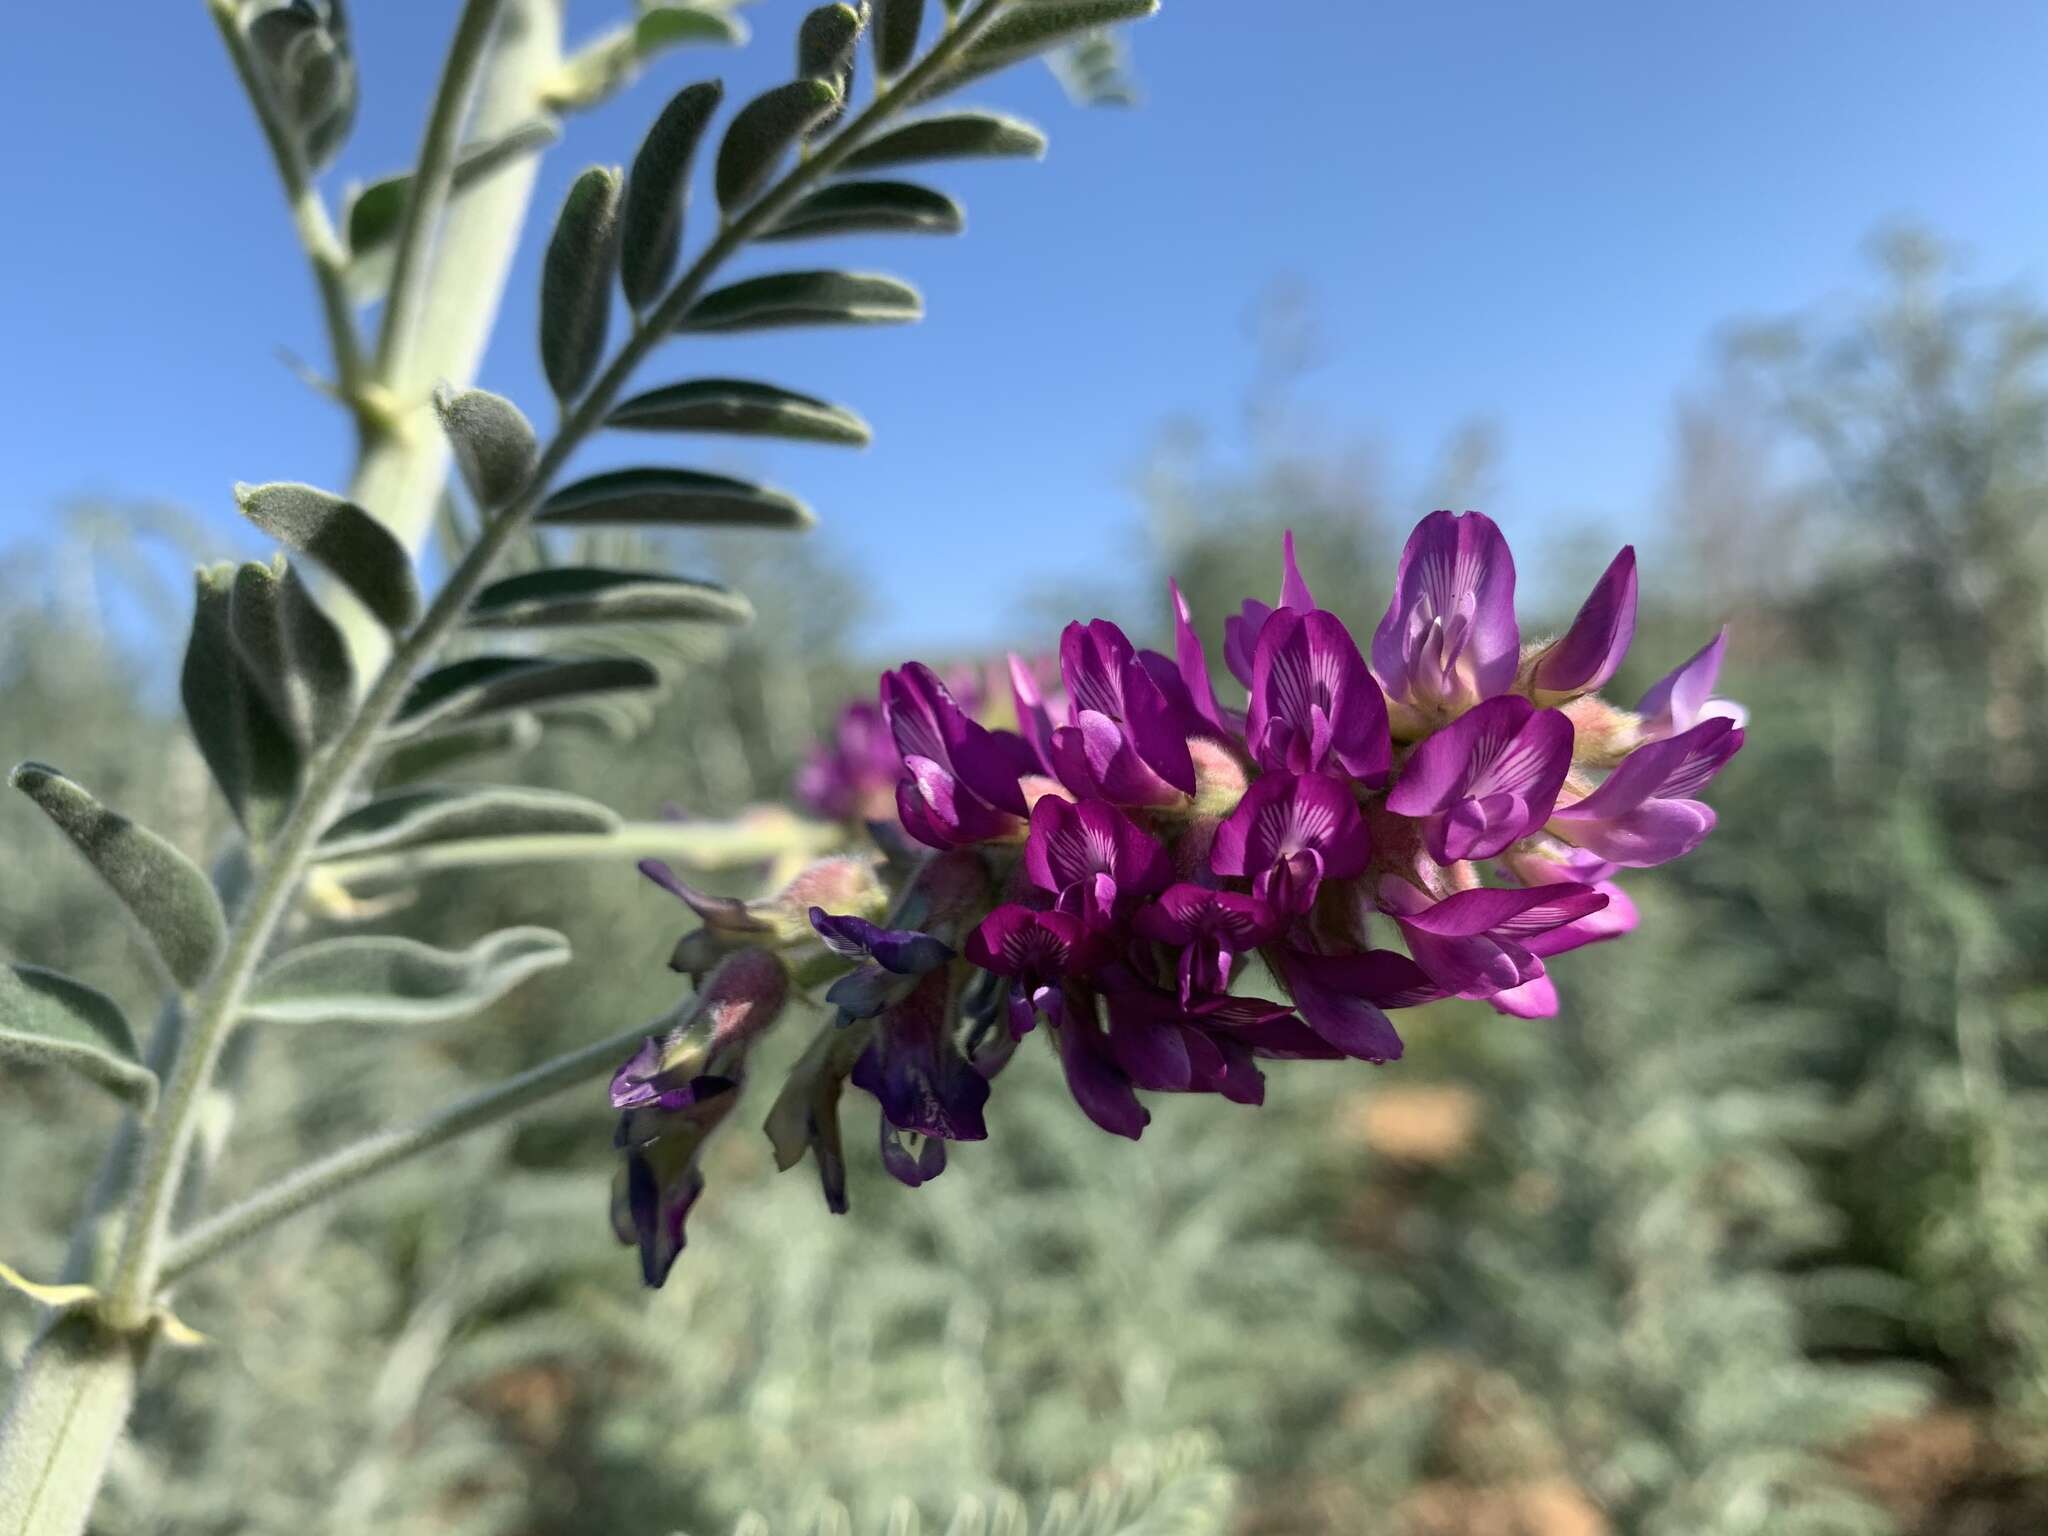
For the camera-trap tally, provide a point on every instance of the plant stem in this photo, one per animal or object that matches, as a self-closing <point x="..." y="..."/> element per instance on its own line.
<point x="336" y="1172"/>
<point x="433" y="175"/>
<point x="702" y="845"/>
<point x="132" y="1288"/>
<point x="70" y="1401"/>
<point x="309" y="212"/>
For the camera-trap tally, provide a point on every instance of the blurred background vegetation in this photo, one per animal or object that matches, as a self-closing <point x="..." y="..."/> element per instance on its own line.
<point x="1750" y="1240"/>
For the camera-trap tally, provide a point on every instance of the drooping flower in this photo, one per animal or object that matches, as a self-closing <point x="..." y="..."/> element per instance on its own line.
<point x="1684" y="698"/>
<point x="959" y="782"/>
<point x="1314" y="702"/>
<point x="1344" y="998"/>
<point x="1092" y="859"/>
<point x="891" y="961"/>
<point x="1487" y="779"/>
<point x="1591" y="651"/>
<point x="915" y="1069"/>
<point x="1537" y="998"/>
<point x="1473" y="943"/>
<point x="1449" y="638"/>
<point x="1644" y="813"/>
<point x="1292" y="832"/>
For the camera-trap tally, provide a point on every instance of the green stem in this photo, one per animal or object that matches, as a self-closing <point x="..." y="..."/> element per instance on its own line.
<point x="702" y="845"/>
<point x="70" y="1401"/>
<point x="309" y="212"/>
<point x="432" y="178"/>
<point x="339" y="1170"/>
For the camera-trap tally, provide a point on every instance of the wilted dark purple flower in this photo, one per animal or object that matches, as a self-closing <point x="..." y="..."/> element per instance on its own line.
<point x="914" y="1067"/>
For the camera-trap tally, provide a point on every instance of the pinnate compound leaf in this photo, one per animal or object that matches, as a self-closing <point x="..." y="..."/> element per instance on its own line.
<point x="805" y="298"/>
<point x="162" y="889"/>
<point x="493" y="442"/>
<point x="762" y="132"/>
<point x="896" y="25"/>
<point x="658" y="192"/>
<point x="442" y="813"/>
<point x="575" y="285"/>
<point x="488" y="685"/>
<point x="378" y="209"/>
<point x="674" y="497"/>
<point x="966" y="135"/>
<point x="741" y="407"/>
<point x="50" y="1019"/>
<point x="247" y="747"/>
<point x="365" y="555"/>
<point x="869" y="208"/>
<point x="396" y="983"/>
<point x="576" y="594"/>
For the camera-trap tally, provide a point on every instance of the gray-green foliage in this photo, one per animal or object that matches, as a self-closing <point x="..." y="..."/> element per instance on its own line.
<point x="675" y="498"/>
<point x="575" y="289"/>
<point x="389" y="981"/>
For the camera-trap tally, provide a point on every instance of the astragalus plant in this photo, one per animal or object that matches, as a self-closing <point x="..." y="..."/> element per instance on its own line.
<point x="325" y="688"/>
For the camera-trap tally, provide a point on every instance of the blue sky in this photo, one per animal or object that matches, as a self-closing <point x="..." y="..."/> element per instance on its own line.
<point x="1535" y="213"/>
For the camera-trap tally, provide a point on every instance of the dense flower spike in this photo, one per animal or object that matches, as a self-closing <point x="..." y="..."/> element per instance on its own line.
<point x="1112" y="871"/>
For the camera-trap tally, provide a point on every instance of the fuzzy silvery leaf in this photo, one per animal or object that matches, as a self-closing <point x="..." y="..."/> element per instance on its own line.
<point x="805" y="298"/>
<point x="826" y="46"/>
<point x="658" y="192"/>
<point x="493" y="442"/>
<point x="969" y="135"/>
<point x="309" y="72"/>
<point x="440" y="813"/>
<point x="677" y="497"/>
<point x="741" y="407"/>
<point x="1026" y="31"/>
<point x="365" y="555"/>
<point x="50" y="1019"/>
<point x="428" y="757"/>
<point x="575" y="285"/>
<point x="376" y="211"/>
<point x="762" y="132"/>
<point x="666" y="26"/>
<point x="248" y="748"/>
<point x="488" y="685"/>
<point x="896" y="25"/>
<point x="292" y="652"/>
<point x="869" y="208"/>
<point x="165" y="892"/>
<point x="397" y="983"/>
<point x="575" y="594"/>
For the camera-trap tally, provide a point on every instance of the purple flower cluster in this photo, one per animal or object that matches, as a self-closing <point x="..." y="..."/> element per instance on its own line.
<point x="1141" y="840"/>
<point x="1108" y="872"/>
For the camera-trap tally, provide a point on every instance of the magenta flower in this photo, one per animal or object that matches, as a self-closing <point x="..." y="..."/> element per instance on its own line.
<point x="1643" y="814"/>
<point x="1193" y="665"/>
<point x="960" y="784"/>
<point x="1211" y="929"/>
<point x="1126" y="737"/>
<point x="1343" y="998"/>
<point x="1450" y="638"/>
<point x="1682" y="700"/>
<point x="1037" y="952"/>
<point x="1487" y="779"/>
<point x="1092" y="859"/>
<point x="1314" y="702"/>
<point x="1292" y="832"/>
<point x="1472" y="943"/>
<point x="1591" y="651"/>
